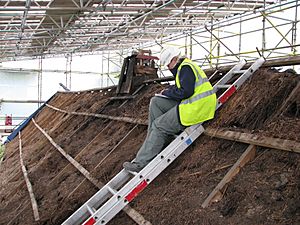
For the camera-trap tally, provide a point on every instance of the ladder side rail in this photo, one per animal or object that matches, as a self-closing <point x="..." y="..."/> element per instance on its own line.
<point x="84" y="212"/>
<point x="230" y="73"/>
<point x="213" y="75"/>
<point x="156" y="166"/>
<point x="119" y="179"/>
<point x="255" y="66"/>
<point x="78" y="219"/>
<point x="232" y="89"/>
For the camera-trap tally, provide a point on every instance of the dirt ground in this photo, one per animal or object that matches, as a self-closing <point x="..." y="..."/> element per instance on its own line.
<point x="266" y="191"/>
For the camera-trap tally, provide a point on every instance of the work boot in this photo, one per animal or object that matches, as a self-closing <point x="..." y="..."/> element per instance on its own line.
<point x="132" y="167"/>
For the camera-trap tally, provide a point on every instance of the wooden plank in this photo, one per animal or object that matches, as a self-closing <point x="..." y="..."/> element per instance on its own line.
<point x="217" y="194"/>
<point x="28" y="184"/>
<point x="254" y="139"/>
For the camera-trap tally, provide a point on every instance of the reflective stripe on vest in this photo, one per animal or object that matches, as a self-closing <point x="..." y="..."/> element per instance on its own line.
<point x="200" y="82"/>
<point x="197" y="97"/>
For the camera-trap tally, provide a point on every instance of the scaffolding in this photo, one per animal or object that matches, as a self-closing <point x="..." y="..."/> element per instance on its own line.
<point x="40" y="81"/>
<point x="213" y="33"/>
<point x="29" y="29"/>
<point x="270" y="31"/>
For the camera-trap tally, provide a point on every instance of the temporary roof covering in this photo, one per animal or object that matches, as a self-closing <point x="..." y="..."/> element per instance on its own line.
<point x="31" y="28"/>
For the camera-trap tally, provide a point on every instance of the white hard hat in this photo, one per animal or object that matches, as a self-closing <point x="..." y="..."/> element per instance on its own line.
<point x="168" y="54"/>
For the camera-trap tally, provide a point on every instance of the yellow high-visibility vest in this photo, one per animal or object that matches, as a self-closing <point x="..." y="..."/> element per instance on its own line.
<point x="202" y="104"/>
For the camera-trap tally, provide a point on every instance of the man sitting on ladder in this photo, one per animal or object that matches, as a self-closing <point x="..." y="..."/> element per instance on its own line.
<point x="190" y="101"/>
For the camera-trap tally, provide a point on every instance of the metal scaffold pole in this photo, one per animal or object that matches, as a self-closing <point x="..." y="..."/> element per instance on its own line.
<point x="40" y="81"/>
<point x="294" y="30"/>
<point x="191" y="45"/>
<point x="240" y="36"/>
<point x="211" y="43"/>
<point x="218" y="49"/>
<point x="102" y="68"/>
<point x="68" y="71"/>
<point x="107" y="78"/>
<point x="186" y="44"/>
<point x="263" y="47"/>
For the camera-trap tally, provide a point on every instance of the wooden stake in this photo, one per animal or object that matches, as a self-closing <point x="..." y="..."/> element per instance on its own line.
<point x="217" y="194"/>
<point x="28" y="184"/>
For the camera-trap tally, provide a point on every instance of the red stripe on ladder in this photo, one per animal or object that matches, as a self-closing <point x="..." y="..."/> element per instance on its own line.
<point x="141" y="186"/>
<point x="91" y="221"/>
<point x="227" y="94"/>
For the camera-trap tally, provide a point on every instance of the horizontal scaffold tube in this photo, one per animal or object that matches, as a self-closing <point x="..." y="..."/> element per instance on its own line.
<point x="20" y="101"/>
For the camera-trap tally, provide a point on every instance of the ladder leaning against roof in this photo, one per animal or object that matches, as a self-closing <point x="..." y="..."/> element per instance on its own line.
<point x="125" y="186"/>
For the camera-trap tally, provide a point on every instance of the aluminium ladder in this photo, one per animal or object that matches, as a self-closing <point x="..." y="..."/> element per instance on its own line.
<point x="125" y="186"/>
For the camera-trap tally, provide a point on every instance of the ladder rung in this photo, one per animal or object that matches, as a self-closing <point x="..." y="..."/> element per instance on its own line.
<point x="223" y="85"/>
<point x="131" y="172"/>
<point x="239" y="71"/>
<point x="90" y="209"/>
<point x="111" y="190"/>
